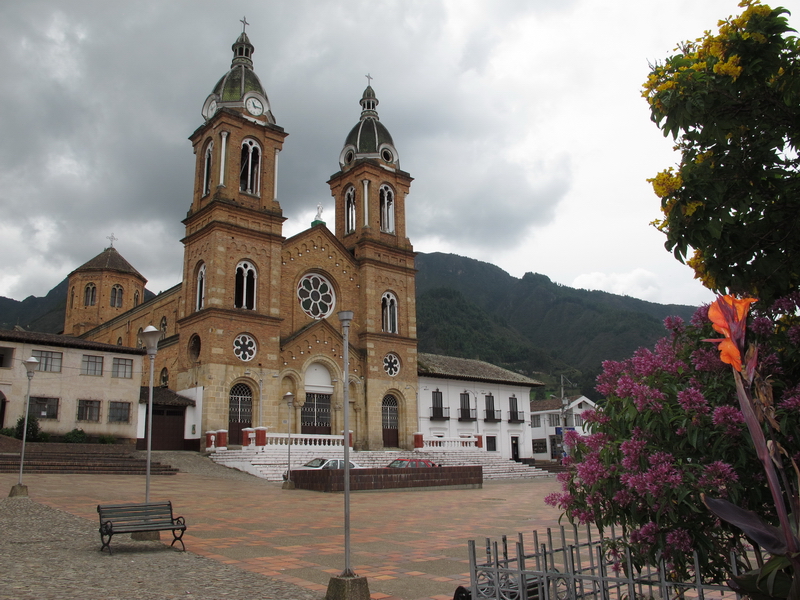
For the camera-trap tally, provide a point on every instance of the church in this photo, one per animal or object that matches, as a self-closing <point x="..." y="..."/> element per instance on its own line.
<point x="255" y="316"/>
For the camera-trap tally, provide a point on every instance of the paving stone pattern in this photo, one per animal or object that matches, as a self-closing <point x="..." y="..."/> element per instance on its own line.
<point x="248" y="538"/>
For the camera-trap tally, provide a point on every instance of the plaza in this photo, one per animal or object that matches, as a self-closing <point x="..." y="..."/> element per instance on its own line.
<point x="248" y="538"/>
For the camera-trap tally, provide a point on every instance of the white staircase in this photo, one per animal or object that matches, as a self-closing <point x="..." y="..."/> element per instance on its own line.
<point x="269" y="462"/>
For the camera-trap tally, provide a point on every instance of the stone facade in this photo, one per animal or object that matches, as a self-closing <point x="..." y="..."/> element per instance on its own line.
<point x="255" y="316"/>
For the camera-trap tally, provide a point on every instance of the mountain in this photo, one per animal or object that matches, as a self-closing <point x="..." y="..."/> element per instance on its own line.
<point x="473" y="309"/>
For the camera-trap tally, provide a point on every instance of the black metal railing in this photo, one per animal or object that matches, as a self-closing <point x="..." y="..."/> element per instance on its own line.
<point x="516" y="416"/>
<point x="492" y="416"/>
<point x="467" y="414"/>
<point x="440" y="413"/>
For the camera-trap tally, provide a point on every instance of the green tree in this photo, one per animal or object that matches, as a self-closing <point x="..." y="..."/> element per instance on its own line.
<point x="732" y="102"/>
<point x="33" y="429"/>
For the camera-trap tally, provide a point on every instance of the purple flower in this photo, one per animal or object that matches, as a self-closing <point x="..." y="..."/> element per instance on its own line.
<point x="700" y="317"/>
<point x="678" y="539"/>
<point x="717" y="475"/>
<point x="646" y="534"/>
<point x="692" y="400"/>
<point x="591" y="469"/>
<point x="674" y="324"/>
<point x="706" y="358"/>
<point x="762" y="326"/>
<point x="794" y="334"/>
<point x="790" y="399"/>
<point x="631" y="452"/>
<point x="728" y="418"/>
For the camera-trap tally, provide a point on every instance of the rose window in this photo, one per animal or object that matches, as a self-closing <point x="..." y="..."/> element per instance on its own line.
<point x="391" y="364"/>
<point x="244" y="347"/>
<point x="316" y="296"/>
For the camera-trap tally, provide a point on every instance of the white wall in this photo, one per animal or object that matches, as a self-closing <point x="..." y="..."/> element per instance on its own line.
<point x="502" y="431"/>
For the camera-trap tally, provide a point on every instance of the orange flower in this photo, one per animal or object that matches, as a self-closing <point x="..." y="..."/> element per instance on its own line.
<point x="728" y="315"/>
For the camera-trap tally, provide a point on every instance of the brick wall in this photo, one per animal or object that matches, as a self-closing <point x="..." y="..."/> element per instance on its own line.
<point x="390" y="479"/>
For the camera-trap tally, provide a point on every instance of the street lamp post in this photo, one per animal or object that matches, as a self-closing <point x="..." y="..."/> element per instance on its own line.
<point x="348" y="584"/>
<point x="289" y="484"/>
<point x="30" y="366"/>
<point x="150" y="337"/>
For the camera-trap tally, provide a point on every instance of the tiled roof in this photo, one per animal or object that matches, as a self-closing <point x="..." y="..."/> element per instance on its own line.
<point x="163" y="397"/>
<point x="435" y="365"/>
<point x="549" y="404"/>
<point x="63" y="341"/>
<point x="109" y="260"/>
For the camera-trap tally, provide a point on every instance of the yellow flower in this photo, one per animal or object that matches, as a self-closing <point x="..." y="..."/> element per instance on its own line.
<point x="666" y="183"/>
<point x="729" y="67"/>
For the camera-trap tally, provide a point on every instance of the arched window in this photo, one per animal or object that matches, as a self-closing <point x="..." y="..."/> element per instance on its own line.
<point x="201" y="287"/>
<point x="139" y="341"/>
<point x="72" y="298"/>
<point x="116" y="296"/>
<point x="136" y="298"/>
<point x="390" y="422"/>
<point x="245" y="295"/>
<point x="250" y="170"/>
<point x="389" y="313"/>
<point x="240" y="412"/>
<point x="387" y="209"/>
<point x="119" y="341"/>
<point x="163" y="327"/>
<point x="350" y="210"/>
<point x="207" y="169"/>
<point x="164" y="378"/>
<point x="90" y="295"/>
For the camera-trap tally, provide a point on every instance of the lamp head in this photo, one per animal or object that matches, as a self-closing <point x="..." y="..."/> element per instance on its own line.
<point x="345" y="316"/>
<point x="150" y="337"/>
<point x="288" y="397"/>
<point x="30" y="365"/>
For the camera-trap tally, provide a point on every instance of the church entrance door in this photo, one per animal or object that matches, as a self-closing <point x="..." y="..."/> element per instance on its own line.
<point x="240" y="412"/>
<point x="391" y="438"/>
<point x="315" y="416"/>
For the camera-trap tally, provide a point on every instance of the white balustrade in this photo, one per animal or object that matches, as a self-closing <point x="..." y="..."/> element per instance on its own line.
<point x="442" y="444"/>
<point x="305" y="439"/>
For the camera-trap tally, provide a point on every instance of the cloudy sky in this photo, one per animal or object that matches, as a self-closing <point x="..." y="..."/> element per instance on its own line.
<point x="520" y="120"/>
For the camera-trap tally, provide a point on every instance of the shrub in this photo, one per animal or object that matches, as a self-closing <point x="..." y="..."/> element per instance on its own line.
<point x="8" y="431"/>
<point x="106" y="439"/>
<point x="44" y="437"/>
<point x="33" y="429"/>
<point x="76" y="436"/>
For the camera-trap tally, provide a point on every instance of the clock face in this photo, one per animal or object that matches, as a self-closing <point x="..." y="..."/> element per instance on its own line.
<point x="212" y="109"/>
<point x="254" y="106"/>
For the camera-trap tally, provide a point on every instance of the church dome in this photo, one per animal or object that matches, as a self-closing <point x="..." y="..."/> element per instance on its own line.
<point x="369" y="139"/>
<point x="240" y="87"/>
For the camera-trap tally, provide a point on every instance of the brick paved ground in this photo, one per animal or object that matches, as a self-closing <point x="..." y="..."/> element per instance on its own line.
<point x="410" y="545"/>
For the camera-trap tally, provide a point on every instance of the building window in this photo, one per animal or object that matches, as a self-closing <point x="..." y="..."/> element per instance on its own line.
<point x="119" y="412"/>
<point x="116" y="296"/>
<point x="316" y="296"/>
<point x="491" y="413"/>
<point x="48" y="361"/>
<point x="163" y="327"/>
<point x="164" y="377"/>
<point x="89" y="410"/>
<point x="201" y="287"/>
<point x="136" y="298"/>
<point x="90" y="295"/>
<point x="387" y="209"/>
<point x="43" y="408"/>
<point x="6" y="358"/>
<point x="245" y="286"/>
<point x="539" y="446"/>
<point x="119" y="341"/>
<point x="249" y="180"/>
<point x="491" y="443"/>
<point x="465" y="413"/>
<point x="92" y="365"/>
<point x="139" y="341"/>
<point x="554" y="420"/>
<point x="122" y="368"/>
<point x="389" y="313"/>
<point x="536" y="420"/>
<point x="514" y="414"/>
<point x="207" y="169"/>
<point x="578" y="420"/>
<point x="72" y="297"/>
<point x="350" y="210"/>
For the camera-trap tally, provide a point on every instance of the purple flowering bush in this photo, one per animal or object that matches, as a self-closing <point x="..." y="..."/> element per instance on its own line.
<point x="669" y="430"/>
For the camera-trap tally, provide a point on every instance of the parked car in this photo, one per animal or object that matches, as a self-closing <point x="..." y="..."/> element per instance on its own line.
<point x="411" y="463"/>
<point x="323" y="463"/>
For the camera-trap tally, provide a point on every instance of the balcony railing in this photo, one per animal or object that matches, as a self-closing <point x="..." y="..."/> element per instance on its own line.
<point x="440" y="413"/>
<point x="516" y="416"/>
<point x="467" y="414"/>
<point x="492" y="416"/>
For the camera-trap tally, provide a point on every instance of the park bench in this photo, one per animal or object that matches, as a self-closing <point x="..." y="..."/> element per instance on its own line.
<point x="135" y="518"/>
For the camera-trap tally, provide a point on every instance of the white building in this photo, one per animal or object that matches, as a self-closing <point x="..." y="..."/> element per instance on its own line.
<point x="77" y="385"/>
<point x="461" y="398"/>
<point x="550" y="418"/>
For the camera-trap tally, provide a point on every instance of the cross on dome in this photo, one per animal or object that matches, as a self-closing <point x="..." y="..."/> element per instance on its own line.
<point x="244" y="23"/>
<point x="369" y="79"/>
<point x="111" y="239"/>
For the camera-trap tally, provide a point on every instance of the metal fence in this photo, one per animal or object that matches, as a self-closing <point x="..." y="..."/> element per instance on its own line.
<point x="573" y="564"/>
